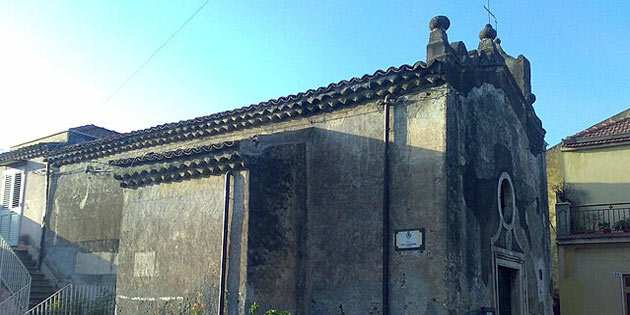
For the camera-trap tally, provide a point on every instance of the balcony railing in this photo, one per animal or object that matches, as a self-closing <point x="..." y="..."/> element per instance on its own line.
<point x="595" y="218"/>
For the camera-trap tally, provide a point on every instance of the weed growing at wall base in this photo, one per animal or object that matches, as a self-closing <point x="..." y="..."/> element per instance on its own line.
<point x="255" y="308"/>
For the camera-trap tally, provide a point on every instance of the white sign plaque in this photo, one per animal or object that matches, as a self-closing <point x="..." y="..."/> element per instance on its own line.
<point x="410" y="239"/>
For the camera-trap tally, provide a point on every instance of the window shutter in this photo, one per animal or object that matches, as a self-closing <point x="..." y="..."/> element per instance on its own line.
<point x="6" y="191"/>
<point x="17" y="190"/>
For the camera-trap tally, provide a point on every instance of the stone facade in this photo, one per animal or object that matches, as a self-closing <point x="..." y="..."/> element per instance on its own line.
<point x="315" y="196"/>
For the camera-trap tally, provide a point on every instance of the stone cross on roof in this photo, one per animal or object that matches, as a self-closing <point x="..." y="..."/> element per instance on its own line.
<point x="490" y="14"/>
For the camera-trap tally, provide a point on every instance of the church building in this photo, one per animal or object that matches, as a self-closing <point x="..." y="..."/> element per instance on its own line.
<point x="419" y="189"/>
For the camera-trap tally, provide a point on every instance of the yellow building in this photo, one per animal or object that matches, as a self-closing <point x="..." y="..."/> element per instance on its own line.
<point x="589" y="185"/>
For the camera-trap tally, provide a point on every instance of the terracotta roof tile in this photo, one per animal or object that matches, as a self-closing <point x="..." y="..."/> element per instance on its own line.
<point x="155" y="157"/>
<point x="177" y="165"/>
<point x="606" y="132"/>
<point x="335" y="95"/>
<point x="29" y="152"/>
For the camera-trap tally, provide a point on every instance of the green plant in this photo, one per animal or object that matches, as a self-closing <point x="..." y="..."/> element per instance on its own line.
<point x="102" y="305"/>
<point x="604" y="227"/>
<point x="65" y="306"/>
<point x="622" y="225"/>
<point x="254" y="308"/>
<point x="566" y="192"/>
<point x="198" y="309"/>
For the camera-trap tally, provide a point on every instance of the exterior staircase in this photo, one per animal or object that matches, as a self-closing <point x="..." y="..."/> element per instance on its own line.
<point x="41" y="287"/>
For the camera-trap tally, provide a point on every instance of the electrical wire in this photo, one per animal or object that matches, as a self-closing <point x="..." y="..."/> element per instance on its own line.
<point x="153" y="54"/>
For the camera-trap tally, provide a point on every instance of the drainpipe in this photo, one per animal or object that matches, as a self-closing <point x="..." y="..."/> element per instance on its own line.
<point x="226" y="212"/>
<point x="44" y="218"/>
<point x="386" y="128"/>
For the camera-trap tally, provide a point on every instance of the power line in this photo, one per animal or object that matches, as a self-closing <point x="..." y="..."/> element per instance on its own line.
<point x="153" y="54"/>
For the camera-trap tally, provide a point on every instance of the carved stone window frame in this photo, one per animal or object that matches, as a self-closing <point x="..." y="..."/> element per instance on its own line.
<point x="505" y="181"/>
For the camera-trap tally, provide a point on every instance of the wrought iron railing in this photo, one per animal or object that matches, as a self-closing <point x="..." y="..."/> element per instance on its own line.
<point x="15" y="279"/>
<point x="595" y="218"/>
<point x="78" y="300"/>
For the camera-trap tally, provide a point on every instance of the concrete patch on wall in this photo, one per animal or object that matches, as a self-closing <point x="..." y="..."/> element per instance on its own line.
<point x="96" y="263"/>
<point x="144" y="264"/>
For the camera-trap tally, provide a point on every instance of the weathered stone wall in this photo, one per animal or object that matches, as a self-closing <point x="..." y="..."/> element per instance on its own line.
<point x="311" y="223"/>
<point x="486" y="139"/>
<point x="418" y="200"/>
<point x="277" y="230"/>
<point x="345" y="169"/>
<point x="555" y="181"/>
<point x="83" y="224"/>
<point x="171" y="246"/>
<point x="337" y="259"/>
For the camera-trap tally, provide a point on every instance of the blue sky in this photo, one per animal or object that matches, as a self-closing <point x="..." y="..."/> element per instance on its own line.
<point x="62" y="59"/>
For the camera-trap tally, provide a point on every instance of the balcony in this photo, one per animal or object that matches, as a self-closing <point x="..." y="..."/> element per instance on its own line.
<point x="595" y="222"/>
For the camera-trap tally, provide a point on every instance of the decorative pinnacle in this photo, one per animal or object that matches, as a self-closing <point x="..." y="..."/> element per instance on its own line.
<point x="439" y="22"/>
<point x="487" y="32"/>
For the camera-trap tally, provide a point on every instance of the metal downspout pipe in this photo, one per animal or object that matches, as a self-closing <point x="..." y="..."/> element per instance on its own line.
<point x="40" y="255"/>
<point x="226" y="216"/>
<point x="385" y="244"/>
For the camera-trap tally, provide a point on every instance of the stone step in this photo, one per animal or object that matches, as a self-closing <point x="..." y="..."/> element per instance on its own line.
<point x="45" y="290"/>
<point x="29" y="264"/>
<point x="40" y="295"/>
<point x="40" y="286"/>
<point x="40" y="282"/>
<point x="32" y="269"/>
<point x="37" y="276"/>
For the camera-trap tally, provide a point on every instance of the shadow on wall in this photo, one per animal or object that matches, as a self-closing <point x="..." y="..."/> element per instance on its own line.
<point x="314" y="230"/>
<point x="76" y="262"/>
<point x="597" y="193"/>
<point x="312" y="227"/>
<point x="82" y="231"/>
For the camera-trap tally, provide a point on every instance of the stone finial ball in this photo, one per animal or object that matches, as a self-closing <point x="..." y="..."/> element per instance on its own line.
<point x="440" y="22"/>
<point x="530" y="98"/>
<point x="488" y="32"/>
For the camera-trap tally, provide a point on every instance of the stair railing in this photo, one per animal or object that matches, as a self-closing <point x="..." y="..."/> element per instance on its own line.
<point x="78" y="299"/>
<point x="14" y="280"/>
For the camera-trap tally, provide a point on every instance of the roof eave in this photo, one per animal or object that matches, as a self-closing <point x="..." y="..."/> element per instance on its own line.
<point x="565" y="148"/>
